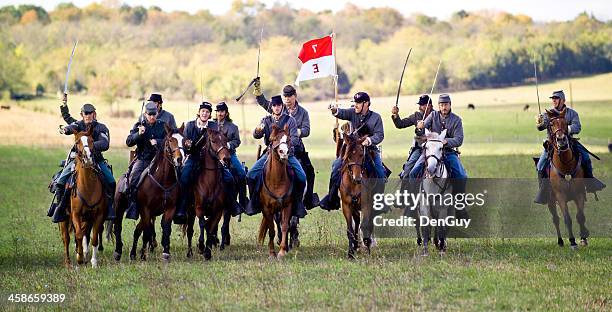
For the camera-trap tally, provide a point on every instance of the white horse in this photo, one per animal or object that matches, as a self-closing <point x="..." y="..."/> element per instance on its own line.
<point x="434" y="186"/>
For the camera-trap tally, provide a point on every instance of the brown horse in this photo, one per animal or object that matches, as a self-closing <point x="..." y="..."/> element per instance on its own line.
<point x="211" y="198"/>
<point x="157" y="195"/>
<point x="87" y="203"/>
<point x="276" y="193"/>
<point x="352" y="175"/>
<point x="565" y="163"/>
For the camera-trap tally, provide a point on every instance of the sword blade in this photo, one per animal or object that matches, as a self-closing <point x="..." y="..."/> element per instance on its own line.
<point x="402" y="78"/>
<point x="432" y="88"/>
<point x="259" y="50"/>
<point x="535" y="73"/>
<point x="69" y="65"/>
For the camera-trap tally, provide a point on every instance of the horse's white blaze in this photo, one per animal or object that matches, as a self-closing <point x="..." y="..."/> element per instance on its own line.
<point x="283" y="147"/>
<point x="179" y="138"/>
<point x="86" y="146"/>
<point x="94" y="257"/>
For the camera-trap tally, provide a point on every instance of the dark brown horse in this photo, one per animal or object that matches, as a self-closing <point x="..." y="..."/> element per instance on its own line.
<point x="211" y="198"/>
<point x="276" y="193"/>
<point x="88" y="203"/>
<point x="565" y="163"/>
<point x="353" y="174"/>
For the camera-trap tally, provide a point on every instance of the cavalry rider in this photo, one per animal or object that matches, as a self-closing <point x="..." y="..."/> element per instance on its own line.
<point x="162" y="114"/>
<point x="367" y="123"/>
<point x="425" y="104"/>
<point x="573" y="121"/>
<point x="302" y="120"/>
<point x="195" y="135"/>
<point x="254" y="177"/>
<point x="148" y="136"/>
<point x="438" y="121"/>
<point x="232" y="133"/>
<point x="101" y="139"/>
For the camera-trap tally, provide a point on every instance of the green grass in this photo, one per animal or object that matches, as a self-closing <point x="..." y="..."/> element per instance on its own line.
<point x="476" y="274"/>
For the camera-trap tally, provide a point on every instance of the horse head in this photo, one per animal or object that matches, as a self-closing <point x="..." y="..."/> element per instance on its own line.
<point x="354" y="156"/>
<point x="84" y="144"/>
<point x="433" y="152"/>
<point x="217" y="145"/>
<point x="558" y="130"/>
<point x="173" y="146"/>
<point x="279" y="141"/>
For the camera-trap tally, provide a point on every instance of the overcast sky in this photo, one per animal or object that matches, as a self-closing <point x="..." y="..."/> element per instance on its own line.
<point x="539" y="10"/>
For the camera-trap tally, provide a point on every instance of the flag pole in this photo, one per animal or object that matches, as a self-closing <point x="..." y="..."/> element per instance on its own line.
<point x="335" y="72"/>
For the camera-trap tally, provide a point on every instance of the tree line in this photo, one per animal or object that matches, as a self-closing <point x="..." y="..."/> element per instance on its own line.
<point x="127" y="51"/>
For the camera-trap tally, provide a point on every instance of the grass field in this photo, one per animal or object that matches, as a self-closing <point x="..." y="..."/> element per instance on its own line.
<point x="476" y="274"/>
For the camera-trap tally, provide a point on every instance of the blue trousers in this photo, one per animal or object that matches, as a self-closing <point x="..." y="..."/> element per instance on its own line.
<point x="109" y="179"/>
<point x="236" y="168"/>
<point x="414" y="156"/>
<point x="586" y="160"/>
<point x="258" y="167"/>
<point x="451" y="159"/>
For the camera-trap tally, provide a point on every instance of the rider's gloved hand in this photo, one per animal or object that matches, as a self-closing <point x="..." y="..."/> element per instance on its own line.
<point x="367" y="142"/>
<point x="141" y="130"/>
<point x="394" y="111"/>
<point x="540" y="120"/>
<point x="257" y="87"/>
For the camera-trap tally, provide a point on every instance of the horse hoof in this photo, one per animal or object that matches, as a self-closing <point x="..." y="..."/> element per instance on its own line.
<point x="143" y="257"/>
<point x="350" y="255"/>
<point x="442" y="253"/>
<point x="166" y="257"/>
<point x="272" y="258"/>
<point x="574" y="247"/>
<point x="189" y="253"/>
<point x="560" y="242"/>
<point x="94" y="264"/>
<point x="419" y="241"/>
<point x="425" y="253"/>
<point x="222" y="247"/>
<point x="101" y="248"/>
<point x="132" y="257"/>
<point x="207" y="254"/>
<point x="117" y="256"/>
<point x="583" y="242"/>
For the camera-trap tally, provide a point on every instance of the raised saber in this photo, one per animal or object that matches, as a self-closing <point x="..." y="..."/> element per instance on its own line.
<point x="253" y="81"/>
<point x="535" y="73"/>
<point x="432" y="88"/>
<point x="402" y="78"/>
<point x="69" y="65"/>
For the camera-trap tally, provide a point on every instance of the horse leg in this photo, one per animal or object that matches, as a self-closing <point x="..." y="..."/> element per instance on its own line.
<point x="137" y="233"/>
<point x="202" y="222"/>
<point x="78" y="238"/>
<point x="567" y="219"/>
<point x="294" y="240"/>
<point x="367" y="226"/>
<point x="277" y="220"/>
<point x="555" y="219"/>
<point x="190" y="223"/>
<point x="117" y="228"/>
<point x="65" y="230"/>
<point x="153" y="240"/>
<point x="147" y="235"/>
<point x="225" y="231"/>
<point x="285" y="216"/>
<point x="97" y="230"/>
<point x="350" y="229"/>
<point x="441" y="231"/>
<point x="356" y="224"/>
<point x="584" y="232"/>
<point x="270" y="222"/>
<point x="101" y="238"/>
<point x="166" y="225"/>
<point x="211" y="225"/>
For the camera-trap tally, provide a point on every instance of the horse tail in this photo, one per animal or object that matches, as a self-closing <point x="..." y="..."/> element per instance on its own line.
<point x="263" y="230"/>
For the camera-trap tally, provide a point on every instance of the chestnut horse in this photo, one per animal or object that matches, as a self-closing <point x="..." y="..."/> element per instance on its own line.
<point x="565" y="162"/>
<point x="352" y="175"/>
<point x="276" y="192"/>
<point x="88" y="203"/>
<point x="211" y="198"/>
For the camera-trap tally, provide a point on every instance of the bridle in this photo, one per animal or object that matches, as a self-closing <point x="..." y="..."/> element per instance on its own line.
<point x="349" y="165"/>
<point x="439" y="170"/>
<point x="214" y="153"/>
<point x="271" y="149"/>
